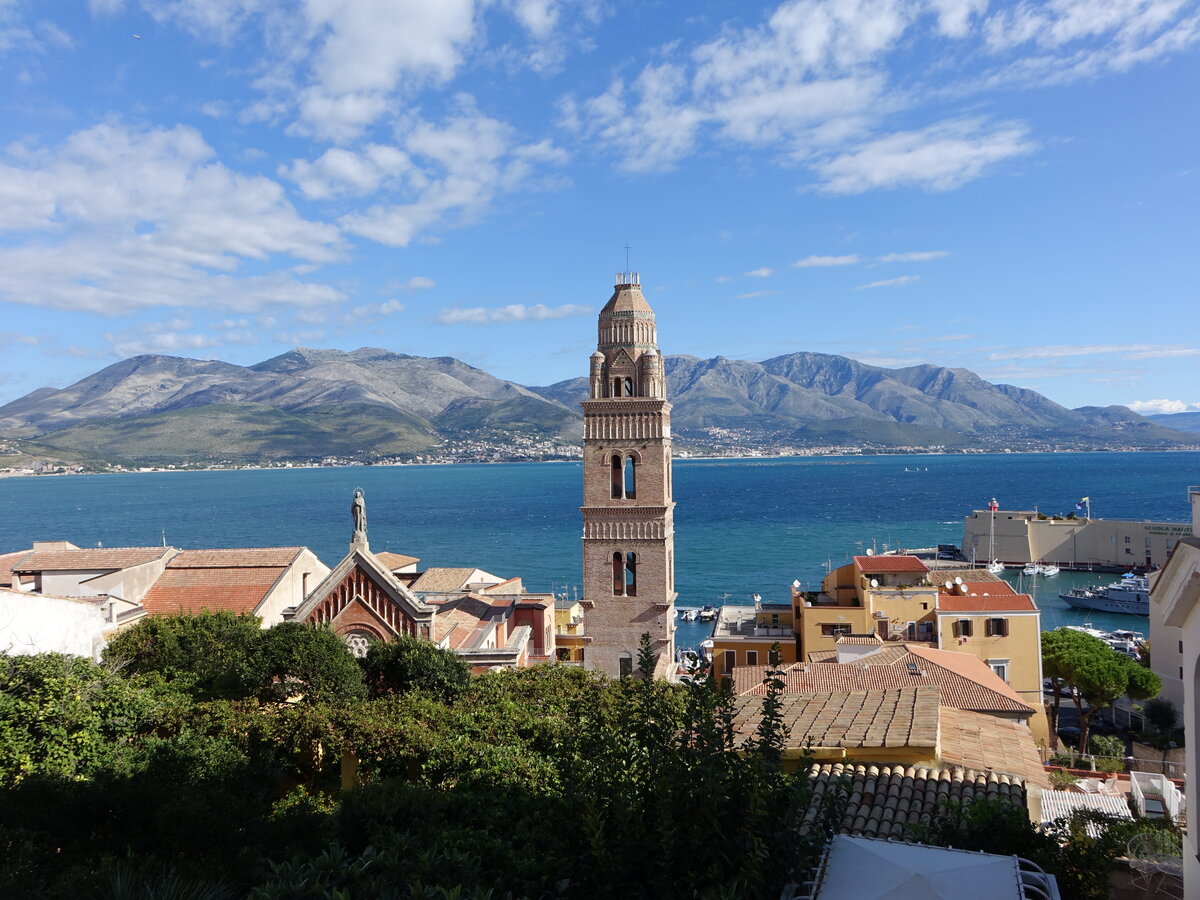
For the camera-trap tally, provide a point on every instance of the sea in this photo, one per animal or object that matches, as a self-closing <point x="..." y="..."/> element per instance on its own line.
<point x="742" y="526"/>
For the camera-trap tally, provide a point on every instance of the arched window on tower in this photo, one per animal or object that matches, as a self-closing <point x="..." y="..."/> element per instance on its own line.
<point x="616" y="387"/>
<point x="628" y="387"/>
<point x="630" y="478"/>
<point x="630" y="574"/>
<point x="618" y="573"/>
<point x="618" y="477"/>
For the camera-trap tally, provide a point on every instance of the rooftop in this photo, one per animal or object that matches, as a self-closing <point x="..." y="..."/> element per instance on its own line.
<point x="894" y="718"/>
<point x="886" y="801"/>
<point x="236" y="558"/>
<point x="986" y="603"/>
<point x="89" y="559"/>
<point x="965" y="681"/>
<point x="881" y="565"/>
<point x="237" y="589"/>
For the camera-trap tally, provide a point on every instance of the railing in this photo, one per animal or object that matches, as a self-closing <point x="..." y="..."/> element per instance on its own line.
<point x="1150" y="790"/>
<point x="1073" y="759"/>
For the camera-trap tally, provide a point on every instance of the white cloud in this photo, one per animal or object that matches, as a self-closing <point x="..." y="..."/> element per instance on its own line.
<point x="516" y="312"/>
<point x="1163" y="407"/>
<point x="889" y="282"/>
<point x="826" y="261"/>
<point x="339" y="171"/>
<point x="416" y="283"/>
<point x="752" y="295"/>
<point x="722" y="279"/>
<point x="118" y="218"/>
<point x="941" y="157"/>
<point x="1125" y="351"/>
<point x="764" y="272"/>
<point x="461" y="167"/>
<point x="918" y="256"/>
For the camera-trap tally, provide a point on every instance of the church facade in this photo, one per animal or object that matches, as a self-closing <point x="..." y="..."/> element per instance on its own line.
<point x="628" y="510"/>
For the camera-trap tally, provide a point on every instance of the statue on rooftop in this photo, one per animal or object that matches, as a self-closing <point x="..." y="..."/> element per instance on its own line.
<point x="358" y="510"/>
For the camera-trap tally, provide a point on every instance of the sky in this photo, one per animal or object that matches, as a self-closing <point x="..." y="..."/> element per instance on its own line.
<point x="1007" y="188"/>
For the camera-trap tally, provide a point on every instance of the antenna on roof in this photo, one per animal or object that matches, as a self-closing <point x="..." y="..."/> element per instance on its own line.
<point x="627" y="257"/>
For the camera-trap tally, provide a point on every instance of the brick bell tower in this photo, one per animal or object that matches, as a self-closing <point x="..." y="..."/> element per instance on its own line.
<point x="628" y="513"/>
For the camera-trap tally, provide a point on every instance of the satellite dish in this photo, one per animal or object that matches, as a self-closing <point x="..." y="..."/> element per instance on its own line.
<point x="957" y="580"/>
<point x="870" y="552"/>
<point x="874" y="583"/>
<point x="949" y="584"/>
<point x="796" y="583"/>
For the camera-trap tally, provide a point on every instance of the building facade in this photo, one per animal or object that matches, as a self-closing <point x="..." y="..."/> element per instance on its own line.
<point x="628" y="520"/>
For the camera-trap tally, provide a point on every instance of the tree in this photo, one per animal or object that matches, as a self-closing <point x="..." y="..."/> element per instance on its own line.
<point x="1089" y="671"/>
<point x="412" y="664"/>
<point x="312" y="662"/>
<point x="213" y="656"/>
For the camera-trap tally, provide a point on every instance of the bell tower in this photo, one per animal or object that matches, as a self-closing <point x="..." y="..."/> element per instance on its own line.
<point x="628" y="513"/>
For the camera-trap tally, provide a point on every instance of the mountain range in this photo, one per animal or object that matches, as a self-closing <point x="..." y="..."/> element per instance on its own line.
<point x="370" y="403"/>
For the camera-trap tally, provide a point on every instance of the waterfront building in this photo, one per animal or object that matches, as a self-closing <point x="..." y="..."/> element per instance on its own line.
<point x="744" y="636"/>
<point x="1024" y="536"/>
<point x="628" y="510"/>
<point x="33" y="623"/>
<point x="897" y="598"/>
<point x="1175" y="602"/>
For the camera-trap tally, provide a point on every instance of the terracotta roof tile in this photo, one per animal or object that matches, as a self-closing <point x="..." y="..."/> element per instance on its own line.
<point x="7" y="561"/>
<point x="862" y="639"/>
<point x="980" y="603"/>
<point x="979" y="741"/>
<point x="239" y="589"/>
<point x="886" y="801"/>
<point x="441" y="579"/>
<point x="870" y="718"/>
<point x="396" y="560"/>
<point x="252" y="557"/>
<point x="877" y="565"/>
<point x="512" y="586"/>
<point x="965" y="681"/>
<point x="86" y="559"/>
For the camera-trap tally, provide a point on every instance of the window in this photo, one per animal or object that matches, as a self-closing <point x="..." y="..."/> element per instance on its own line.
<point x="1129" y="551"/>
<point x="630" y="574"/>
<point x="1127" y="539"/>
<point x="730" y="662"/>
<point x="630" y="478"/>
<point x="618" y="478"/>
<point x="628" y="387"/>
<point x="833" y="629"/>
<point x="752" y="657"/>
<point x="1000" y="667"/>
<point x="625" y="664"/>
<point x="1181" y="649"/>
<point x="618" y="573"/>
<point x="997" y="628"/>
<point x="962" y="628"/>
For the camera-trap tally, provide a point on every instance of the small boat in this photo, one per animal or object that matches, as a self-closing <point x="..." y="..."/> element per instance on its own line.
<point x="1050" y="570"/>
<point x="708" y="613"/>
<point x="1032" y="569"/>
<point x="688" y="615"/>
<point x="995" y="567"/>
<point x="1086" y="628"/>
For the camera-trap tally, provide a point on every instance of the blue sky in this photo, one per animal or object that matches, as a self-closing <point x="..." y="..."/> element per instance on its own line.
<point x="1009" y="188"/>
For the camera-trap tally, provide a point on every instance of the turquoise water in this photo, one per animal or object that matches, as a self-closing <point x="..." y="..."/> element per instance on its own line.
<point x="742" y="526"/>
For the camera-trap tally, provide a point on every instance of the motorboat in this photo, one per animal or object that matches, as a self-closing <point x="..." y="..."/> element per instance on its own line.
<point x="688" y="615"/>
<point x="1032" y="569"/>
<point x="708" y="613"/>
<point x="1130" y="595"/>
<point x="996" y="567"/>
<point x="1050" y="570"/>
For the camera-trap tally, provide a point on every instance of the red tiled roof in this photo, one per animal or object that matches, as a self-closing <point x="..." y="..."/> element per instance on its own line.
<point x="7" y="561"/>
<point x="395" y="560"/>
<point x="237" y="589"/>
<point x="978" y="741"/>
<point x="965" y="681"/>
<point x="905" y="717"/>
<point x="240" y="557"/>
<point x="86" y="559"/>
<point x="438" y="579"/>
<point x="878" y="565"/>
<point x="512" y="586"/>
<point x="980" y="603"/>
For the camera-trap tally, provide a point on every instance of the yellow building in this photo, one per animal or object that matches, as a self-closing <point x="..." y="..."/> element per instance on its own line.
<point x="569" y="639"/>
<point x="744" y="635"/>
<point x="898" y="599"/>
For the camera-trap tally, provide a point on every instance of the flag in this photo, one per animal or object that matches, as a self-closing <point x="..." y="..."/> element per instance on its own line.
<point x="1082" y="503"/>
